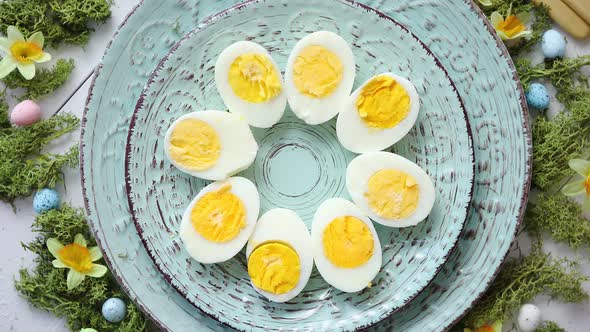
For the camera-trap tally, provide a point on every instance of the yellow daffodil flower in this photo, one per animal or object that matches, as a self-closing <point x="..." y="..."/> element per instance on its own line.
<point x="580" y="186"/>
<point x="77" y="258"/>
<point x="512" y="27"/>
<point x="21" y="54"/>
<point x="496" y="327"/>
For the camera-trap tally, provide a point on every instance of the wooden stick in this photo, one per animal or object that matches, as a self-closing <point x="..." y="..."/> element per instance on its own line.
<point x="581" y="7"/>
<point x="567" y="18"/>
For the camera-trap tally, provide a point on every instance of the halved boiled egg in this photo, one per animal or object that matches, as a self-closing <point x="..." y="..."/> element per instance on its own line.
<point x="319" y="76"/>
<point x="347" y="251"/>
<point x="378" y="114"/>
<point x="211" y="145"/>
<point x="280" y="257"/>
<point x="250" y="83"/>
<point x="220" y="219"/>
<point x="390" y="189"/>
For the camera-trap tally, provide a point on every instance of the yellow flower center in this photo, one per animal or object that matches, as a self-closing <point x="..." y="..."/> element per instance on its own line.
<point x="511" y="26"/>
<point x="587" y="185"/>
<point x="76" y="257"/>
<point x="26" y="52"/>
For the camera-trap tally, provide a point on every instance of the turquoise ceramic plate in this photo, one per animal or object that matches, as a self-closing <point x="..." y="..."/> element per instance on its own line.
<point x="475" y="59"/>
<point x="298" y="166"/>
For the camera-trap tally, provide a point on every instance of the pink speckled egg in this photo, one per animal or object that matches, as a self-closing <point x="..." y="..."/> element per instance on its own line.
<point x="25" y="113"/>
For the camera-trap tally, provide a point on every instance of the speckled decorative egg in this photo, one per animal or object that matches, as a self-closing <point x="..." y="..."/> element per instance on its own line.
<point x="537" y="96"/>
<point x="25" y="113"/>
<point x="114" y="310"/>
<point x="45" y="200"/>
<point x="553" y="44"/>
<point x="529" y="318"/>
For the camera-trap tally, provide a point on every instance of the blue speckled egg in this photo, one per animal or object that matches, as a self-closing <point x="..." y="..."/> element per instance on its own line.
<point x="114" y="310"/>
<point x="45" y="200"/>
<point x="553" y="44"/>
<point x="537" y="96"/>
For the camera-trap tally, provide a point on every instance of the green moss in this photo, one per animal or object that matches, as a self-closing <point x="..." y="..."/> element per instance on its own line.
<point x="22" y="167"/>
<point x="567" y="136"/>
<point x="550" y="326"/>
<point x="4" y="119"/>
<point x="45" y="286"/>
<point x="520" y="280"/>
<point x="559" y="217"/>
<point x="61" y="21"/>
<point x="77" y="13"/>
<point x="45" y="82"/>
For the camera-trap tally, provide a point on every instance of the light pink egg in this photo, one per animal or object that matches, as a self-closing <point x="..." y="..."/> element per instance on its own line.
<point x="25" y="113"/>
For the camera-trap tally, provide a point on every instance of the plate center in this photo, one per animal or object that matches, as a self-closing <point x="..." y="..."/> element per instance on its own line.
<point x="286" y="164"/>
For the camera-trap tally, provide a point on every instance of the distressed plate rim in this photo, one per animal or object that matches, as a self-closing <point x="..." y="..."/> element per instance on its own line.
<point x="95" y="225"/>
<point x="212" y="19"/>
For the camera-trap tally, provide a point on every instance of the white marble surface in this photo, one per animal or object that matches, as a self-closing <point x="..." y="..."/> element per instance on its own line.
<point x="17" y="315"/>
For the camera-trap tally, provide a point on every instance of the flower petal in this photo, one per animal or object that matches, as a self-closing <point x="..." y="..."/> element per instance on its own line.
<point x="59" y="264"/>
<point x="502" y="35"/>
<point x="581" y="166"/>
<point x="95" y="254"/>
<point x="27" y="70"/>
<point x="496" y="18"/>
<point x="7" y="65"/>
<point x="54" y="246"/>
<point x="497" y="326"/>
<point x="37" y="38"/>
<point x="522" y="34"/>
<point x="97" y="271"/>
<point x="79" y="239"/>
<point x="4" y="44"/>
<point x="43" y="58"/>
<point x="574" y="188"/>
<point x="14" y="34"/>
<point x="75" y="278"/>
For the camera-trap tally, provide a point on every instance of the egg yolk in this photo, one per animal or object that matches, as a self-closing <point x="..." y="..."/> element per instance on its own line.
<point x="194" y="144"/>
<point x="383" y="103"/>
<point x="274" y="267"/>
<point x="348" y="242"/>
<point x="317" y="71"/>
<point x="219" y="215"/>
<point x="254" y="78"/>
<point x="392" y="194"/>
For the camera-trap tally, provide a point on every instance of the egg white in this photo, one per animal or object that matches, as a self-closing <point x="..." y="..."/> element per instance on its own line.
<point x="238" y="146"/>
<point x="285" y="226"/>
<point x="261" y="115"/>
<point x="318" y="110"/>
<point x="345" y="279"/>
<point x="360" y="170"/>
<point x="356" y="136"/>
<point x="208" y="252"/>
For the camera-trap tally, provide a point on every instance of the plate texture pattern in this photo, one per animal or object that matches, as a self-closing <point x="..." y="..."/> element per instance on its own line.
<point x="299" y="166"/>
<point x="457" y="34"/>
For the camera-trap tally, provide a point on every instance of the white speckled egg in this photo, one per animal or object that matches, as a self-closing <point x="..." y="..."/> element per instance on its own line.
<point x="114" y="310"/>
<point x="553" y="44"/>
<point x="529" y="317"/>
